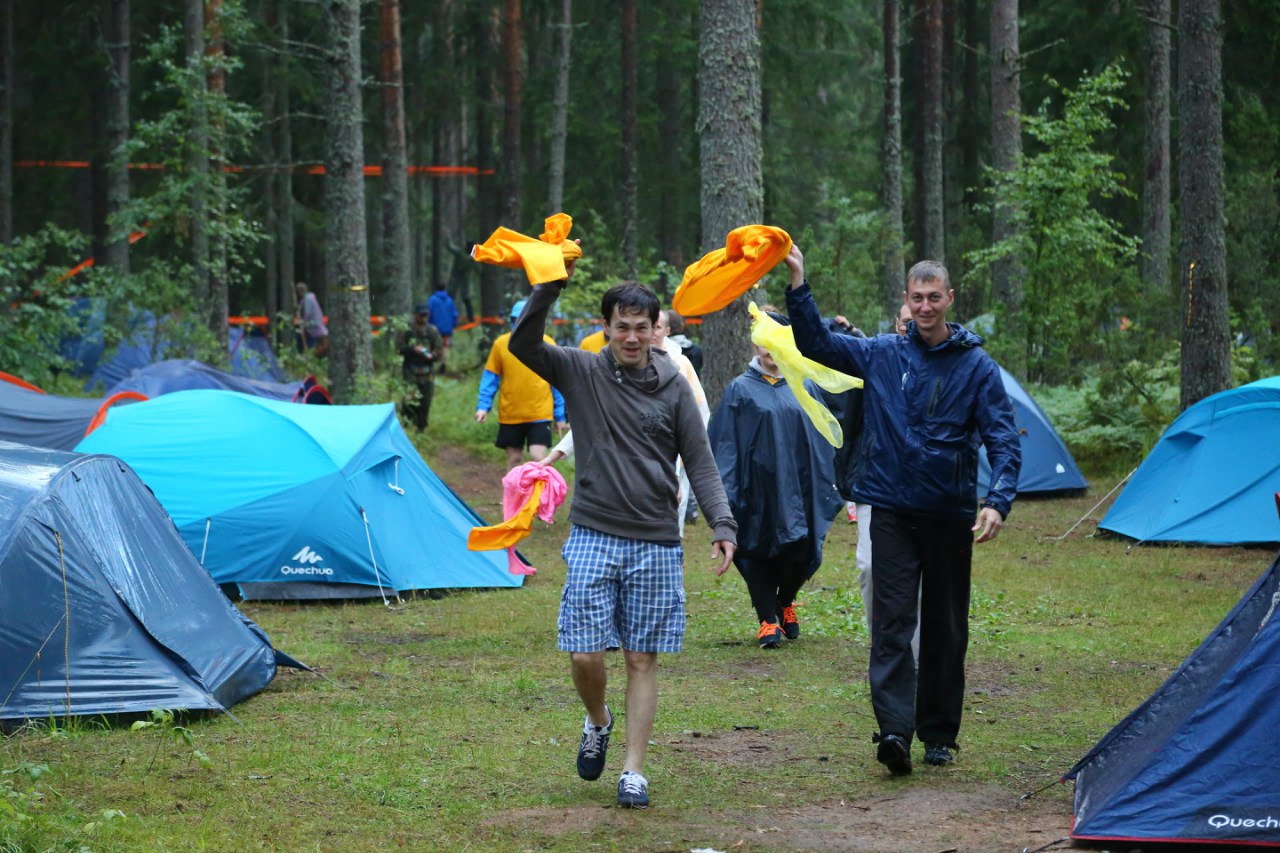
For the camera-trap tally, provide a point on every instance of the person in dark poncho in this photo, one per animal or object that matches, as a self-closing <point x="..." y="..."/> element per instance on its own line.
<point x="779" y="476"/>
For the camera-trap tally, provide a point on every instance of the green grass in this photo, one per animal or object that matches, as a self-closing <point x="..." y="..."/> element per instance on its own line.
<point x="450" y="723"/>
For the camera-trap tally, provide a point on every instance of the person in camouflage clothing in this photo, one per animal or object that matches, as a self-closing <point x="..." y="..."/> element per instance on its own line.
<point x="422" y="348"/>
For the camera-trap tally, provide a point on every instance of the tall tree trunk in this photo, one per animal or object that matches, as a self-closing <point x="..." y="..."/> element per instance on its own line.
<point x="732" y="153"/>
<point x="1206" y="334"/>
<point x="219" y="297"/>
<point x="511" y="90"/>
<point x="346" y="252"/>
<point x="114" y="21"/>
<point x="560" y="109"/>
<point x="1156" y="240"/>
<point x="970" y="120"/>
<point x="282" y="175"/>
<point x="672" y="234"/>
<point x="1006" y="151"/>
<point x="6" y="122"/>
<point x="893" y="272"/>
<point x="193" y="25"/>
<point x="395" y="166"/>
<point x="487" y="200"/>
<point x="630" y="206"/>
<point x="933" y="191"/>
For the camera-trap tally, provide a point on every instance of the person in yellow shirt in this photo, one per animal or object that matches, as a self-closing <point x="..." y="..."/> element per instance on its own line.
<point x="593" y="342"/>
<point x="526" y="402"/>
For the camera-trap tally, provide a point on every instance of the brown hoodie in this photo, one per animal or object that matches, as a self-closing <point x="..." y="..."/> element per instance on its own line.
<point x="626" y="437"/>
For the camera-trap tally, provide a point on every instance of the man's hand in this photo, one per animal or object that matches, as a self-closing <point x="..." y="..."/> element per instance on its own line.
<point x="989" y="523"/>
<point x="562" y="427"/>
<point x="795" y="262"/>
<point x="481" y="415"/>
<point x="723" y="551"/>
<point x="571" y="262"/>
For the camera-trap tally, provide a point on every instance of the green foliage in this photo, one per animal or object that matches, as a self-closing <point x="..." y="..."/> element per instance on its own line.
<point x="186" y="115"/>
<point x="1078" y="261"/>
<point x="28" y="823"/>
<point x="164" y="724"/>
<point x="36" y="302"/>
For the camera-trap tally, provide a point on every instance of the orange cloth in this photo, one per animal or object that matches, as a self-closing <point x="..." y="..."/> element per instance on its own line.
<point x="725" y="274"/>
<point x="511" y="531"/>
<point x="542" y="259"/>
<point x="593" y="342"/>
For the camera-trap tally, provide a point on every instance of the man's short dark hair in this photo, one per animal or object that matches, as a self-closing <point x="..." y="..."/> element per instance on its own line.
<point x="675" y="322"/>
<point x="629" y="298"/>
<point x="929" y="271"/>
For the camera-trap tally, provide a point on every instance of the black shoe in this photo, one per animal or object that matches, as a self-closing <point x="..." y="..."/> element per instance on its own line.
<point x="790" y="624"/>
<point x="591" y="752"/>
<point x="633" y="791"/>
<point x="770" y="635"/>
<point x="938" y="754"/>
<point x="894" y="752"/>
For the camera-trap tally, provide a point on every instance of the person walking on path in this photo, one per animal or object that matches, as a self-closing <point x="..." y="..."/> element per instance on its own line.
<point x="633" y="415"/>
<point x="444" y="314"/>
<point x="929" y="397"/>
<point x="779" y="476"/>
<point x="526" y="402"/>
<point x="312" y="331"/>
<point x="422" y="352"/>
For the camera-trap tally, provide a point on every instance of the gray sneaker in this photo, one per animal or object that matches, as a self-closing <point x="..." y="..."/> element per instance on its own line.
<point x="633" y="791"/>
<point x="591" y="752"/>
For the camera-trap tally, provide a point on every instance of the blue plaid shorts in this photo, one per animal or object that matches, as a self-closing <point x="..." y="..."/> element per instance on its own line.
<point x="621" y="592"/>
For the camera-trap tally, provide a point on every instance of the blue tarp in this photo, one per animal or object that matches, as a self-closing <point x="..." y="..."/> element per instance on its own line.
<point x="270" y="492"/>
<point x="1198" y="761"/>
<point x="44" y="420"/>
<point x="165" y="377"/>
<point x="103" y="610"/>
<point x="1047" y="465"/>
<point x="1212" y="476"/>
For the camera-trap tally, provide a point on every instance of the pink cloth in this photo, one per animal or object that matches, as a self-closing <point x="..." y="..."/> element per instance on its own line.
<point x="517" y="486"/>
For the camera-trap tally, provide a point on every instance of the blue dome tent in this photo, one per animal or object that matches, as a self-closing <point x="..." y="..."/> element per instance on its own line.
<point x="165" y="377"/>
<point x="1047" y="465"/>
<point x="103" y="610"/>
<point x="315" y="501"/>
<point x="46" y="420"/>
<point x="1197" y="762"/>
<point x="1211" y="477"/>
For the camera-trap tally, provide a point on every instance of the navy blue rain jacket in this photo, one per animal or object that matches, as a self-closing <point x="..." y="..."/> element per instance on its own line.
<point x="777" y="469"/>
<point x="927" y="409"/>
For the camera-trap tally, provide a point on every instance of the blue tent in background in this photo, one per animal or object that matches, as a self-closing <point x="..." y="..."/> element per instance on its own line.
<point x="318" y="501"/>
<point x="1198" y="761"/>
<point x="45" y="420"/>
<point x="1211" y="477"/>
<point x="252" y="356"/>
<point x="103" y="610"/>
<point x="166" y="377"/>
<point x="1047" y="465"/>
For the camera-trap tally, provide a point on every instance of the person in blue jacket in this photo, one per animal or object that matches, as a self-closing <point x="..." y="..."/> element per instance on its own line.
<point x="444" y="314"/>
<point x="929" y="397"/>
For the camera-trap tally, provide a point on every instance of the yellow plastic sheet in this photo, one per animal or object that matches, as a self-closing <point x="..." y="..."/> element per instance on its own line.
<point x="780" y="341"/>
<point x="507" y="533"/>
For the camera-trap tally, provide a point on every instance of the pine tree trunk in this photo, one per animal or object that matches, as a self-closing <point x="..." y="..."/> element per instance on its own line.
<point x="219" y="296"/>
<point x="395" y="166"/>
<point x="6" y="122"/>
<point x="731" y="153"/>
<point x="193" y="25"/>
<point x="1006" y="151"/>
<point x="630" y="206"/>
<point x="114" y="21"/>
<point x="893" y="271"/>
<point x="511" y="91"/>
<point x="346" y="252"/>
<point x="282" y="182"/>
<point x="1206" y="337"/>
<point x="933" y="191"/>
<point x="1156" y="229"/>
<point x="560" y="109"/>
<point x="970" y="121"/>
<point x="487" y="193"/>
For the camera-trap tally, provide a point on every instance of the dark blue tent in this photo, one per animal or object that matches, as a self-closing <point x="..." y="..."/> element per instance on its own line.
<point x="166" y="377"/>
<point x="252" y="356"/>
<point x="103" y="610"/>
<point x="1210" y="477"/>
<point x="1047" y="465"/>
<point x="45" y="420"/>
<point x="1199" y="761"/>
